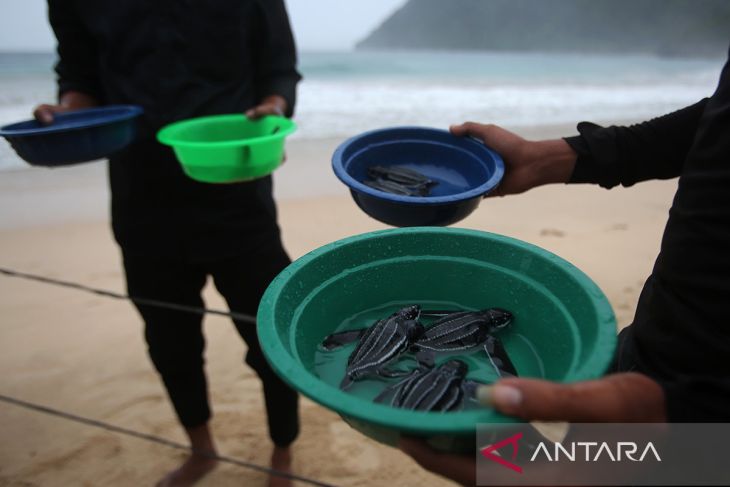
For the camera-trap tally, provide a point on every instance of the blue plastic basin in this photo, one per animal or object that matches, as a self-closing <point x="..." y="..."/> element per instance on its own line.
<point x="465" y="169"/>
<point x="74" y="137"/>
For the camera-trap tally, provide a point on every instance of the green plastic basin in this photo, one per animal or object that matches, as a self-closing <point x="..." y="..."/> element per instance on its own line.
<point x="228" y="148"/>
<point x="560" y="315"/>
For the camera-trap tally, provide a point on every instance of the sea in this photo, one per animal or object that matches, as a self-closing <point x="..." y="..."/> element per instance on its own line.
<point x="345" y="93"/>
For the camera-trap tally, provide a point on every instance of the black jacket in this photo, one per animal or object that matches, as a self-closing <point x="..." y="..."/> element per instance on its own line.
<point x="178" y="59"/>
<point x="681" y="331"/>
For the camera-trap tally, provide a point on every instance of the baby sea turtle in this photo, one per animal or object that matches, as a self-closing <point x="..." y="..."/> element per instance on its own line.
<point x="463" y="330"/>
<point x="442" y="388"/>
<point x="466" y="330"/>
<point x="498" y="357"/>
<point x="395" y="188"/>
<point x="399" y="180"/>
<point x="378" y="345"/>
<point x="400" y="175"/>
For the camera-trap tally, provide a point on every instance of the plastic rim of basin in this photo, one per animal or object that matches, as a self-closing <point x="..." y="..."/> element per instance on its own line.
<point x="281" y="333"/>
<point x="466" y="170"/>
<point x="75" y="120"/>
<point x="74" y="137"/>
<point x="228" y="148"/>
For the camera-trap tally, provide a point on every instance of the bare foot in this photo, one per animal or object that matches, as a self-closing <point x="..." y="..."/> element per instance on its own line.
<point x="281" y="461"/>
<point x="198" y="464"/>
<point x="192" y="470"/>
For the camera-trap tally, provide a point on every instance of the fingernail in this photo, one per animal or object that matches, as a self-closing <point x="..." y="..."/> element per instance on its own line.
<point x="506" y="396"/>
<point x="499" y="395"/>
<point x="484" y="395"/>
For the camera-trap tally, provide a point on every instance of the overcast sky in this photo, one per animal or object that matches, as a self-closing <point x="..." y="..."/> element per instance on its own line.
<point x="317" y="24"/>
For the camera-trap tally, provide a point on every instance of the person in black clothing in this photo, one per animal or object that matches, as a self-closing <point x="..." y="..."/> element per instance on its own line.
<point x="182" y="59"/>
<point x="672" y="361"/>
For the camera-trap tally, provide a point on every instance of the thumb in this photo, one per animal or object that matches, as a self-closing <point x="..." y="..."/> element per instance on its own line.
<point x="626" y="397"/>
<point x="501" y="140"/>
<point x="44" y="113"/>
<point x="264" y="109"/>
<point x="474" y="129"/>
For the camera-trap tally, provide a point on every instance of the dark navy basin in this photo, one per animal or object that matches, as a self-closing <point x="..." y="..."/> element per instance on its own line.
<point x="73" y="137"/>
<point x="465" y="169"/>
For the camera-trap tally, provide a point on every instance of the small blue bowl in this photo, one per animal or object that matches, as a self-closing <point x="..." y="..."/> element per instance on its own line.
<point x="74" y="137"/>
<point x="465" y="169"/>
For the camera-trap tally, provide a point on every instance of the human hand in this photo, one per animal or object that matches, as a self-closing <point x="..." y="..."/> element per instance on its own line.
<point x="70" y="101"/>
<point x="462" y="469"/>
<point x="271" y="105"/>
<point x="527" y="163"/>
<point x="625" y="397"/>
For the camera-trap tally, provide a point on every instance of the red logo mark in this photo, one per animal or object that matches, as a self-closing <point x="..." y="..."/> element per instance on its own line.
<point x="488" y="452"/>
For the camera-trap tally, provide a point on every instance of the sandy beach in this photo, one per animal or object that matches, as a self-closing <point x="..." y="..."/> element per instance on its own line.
<point x="85" y="354"/>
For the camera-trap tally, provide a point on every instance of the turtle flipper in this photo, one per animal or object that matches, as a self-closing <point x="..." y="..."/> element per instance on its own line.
<point x="391" y="392"/>
<point x="470" y="388"/>
<point x="498" y="357"/>
<point x="395" y="390"/>
<point x="340" y="339"/>
<point x="393" y="373"/>
<point x="425" y="357"/>
<point x="346" y="382"/>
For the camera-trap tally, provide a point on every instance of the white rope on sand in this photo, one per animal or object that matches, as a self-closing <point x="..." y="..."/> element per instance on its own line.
<point x="126" y="431"/>
<point x="111" y="294"/>
<point x="155" y="439"/>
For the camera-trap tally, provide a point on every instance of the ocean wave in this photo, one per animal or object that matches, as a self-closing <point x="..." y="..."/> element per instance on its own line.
<point x="345" y="94"/>
<point x="330" y="109"/>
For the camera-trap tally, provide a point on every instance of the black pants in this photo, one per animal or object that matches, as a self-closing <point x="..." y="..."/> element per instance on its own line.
<point x="175" y="339"/>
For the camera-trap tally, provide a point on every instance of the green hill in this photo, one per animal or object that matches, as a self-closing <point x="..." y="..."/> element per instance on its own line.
<point x="665" y="27"/>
